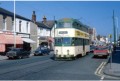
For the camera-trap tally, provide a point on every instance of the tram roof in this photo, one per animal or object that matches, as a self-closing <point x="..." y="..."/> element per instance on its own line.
<point x="72" y="20"/>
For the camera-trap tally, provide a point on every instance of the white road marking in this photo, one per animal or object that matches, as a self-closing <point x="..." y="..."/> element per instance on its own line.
<point x="102" y="77"/>
<point x="98" y="68"/>
<point x="99" y="72"/>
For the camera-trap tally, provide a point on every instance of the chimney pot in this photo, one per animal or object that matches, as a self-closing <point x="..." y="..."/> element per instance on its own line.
<point x="44" y="19"/>
<point x="34" y="17"/>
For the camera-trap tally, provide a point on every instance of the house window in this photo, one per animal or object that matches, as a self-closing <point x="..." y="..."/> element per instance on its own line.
<point x="27" y="27"/>
<point x="12" y="25"/>
<point x="4" y="24"/>
<point x="20" y="26"/>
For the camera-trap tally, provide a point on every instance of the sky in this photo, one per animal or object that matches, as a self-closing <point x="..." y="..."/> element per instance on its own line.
<point x="96" y="14"/>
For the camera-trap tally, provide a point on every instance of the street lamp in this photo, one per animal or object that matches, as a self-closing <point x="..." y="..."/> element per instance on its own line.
<point x="116" y="28"/>
<point x="110" y="36"/>
<point x="14" y="26"/>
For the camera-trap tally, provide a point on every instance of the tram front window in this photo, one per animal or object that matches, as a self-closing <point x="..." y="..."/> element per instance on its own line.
<point x="62" y="41"/>
<point x="58" y="41"/>
<point x="66" y="41"/>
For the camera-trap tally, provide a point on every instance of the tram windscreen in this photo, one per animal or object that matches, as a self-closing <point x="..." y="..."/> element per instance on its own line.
<point x="62" y="41"/>
<point x="66" y="41"/>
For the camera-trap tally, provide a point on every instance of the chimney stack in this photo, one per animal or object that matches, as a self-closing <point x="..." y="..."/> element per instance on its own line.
<point x="33" y="17"/>
<point x="44" y="19"/>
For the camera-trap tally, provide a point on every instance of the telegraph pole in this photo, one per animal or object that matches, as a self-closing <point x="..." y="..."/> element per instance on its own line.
<point x="114" y="29"/>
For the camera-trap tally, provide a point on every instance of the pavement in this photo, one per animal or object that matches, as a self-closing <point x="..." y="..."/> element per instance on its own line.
<point x="3" y="57"/>
<point x="112" y="68"/>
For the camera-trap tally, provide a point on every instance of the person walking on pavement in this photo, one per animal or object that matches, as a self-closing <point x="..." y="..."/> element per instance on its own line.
<point x="110" y="47"/>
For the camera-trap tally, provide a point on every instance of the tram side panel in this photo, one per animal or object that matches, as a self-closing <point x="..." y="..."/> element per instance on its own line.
<point x="79" y="50"/>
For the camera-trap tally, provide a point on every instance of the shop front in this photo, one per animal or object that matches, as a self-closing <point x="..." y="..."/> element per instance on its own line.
<point x="26" y="41"/>
<point x="46" y="40"/>
<point x="8" y="40"/>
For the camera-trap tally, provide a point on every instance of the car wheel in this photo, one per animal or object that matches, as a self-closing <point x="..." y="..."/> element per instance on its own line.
<point x="19" y="57"/>
<point x="95" y="56"/>
<point x="9" y="57"/>
<point x="35" y="55"/>
<point x="105" y="56"/>
<point x="27" y="56"/>
<point x="55" y="58"/>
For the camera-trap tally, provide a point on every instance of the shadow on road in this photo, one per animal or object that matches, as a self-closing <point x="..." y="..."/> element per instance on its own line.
<point x="99" y="57"/>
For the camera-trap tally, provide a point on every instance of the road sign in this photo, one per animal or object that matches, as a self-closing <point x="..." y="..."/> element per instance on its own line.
<point x="110" y="36"/>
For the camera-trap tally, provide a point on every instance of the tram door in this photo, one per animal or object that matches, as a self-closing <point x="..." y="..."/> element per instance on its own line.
<point x="84" y="45"/>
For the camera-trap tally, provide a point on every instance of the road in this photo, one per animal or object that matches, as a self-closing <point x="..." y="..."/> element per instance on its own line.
<point x="44" y="68"/>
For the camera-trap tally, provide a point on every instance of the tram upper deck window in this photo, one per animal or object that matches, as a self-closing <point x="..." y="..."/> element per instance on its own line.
<point x="63" y="25"/>
<point x="67" y="25"/>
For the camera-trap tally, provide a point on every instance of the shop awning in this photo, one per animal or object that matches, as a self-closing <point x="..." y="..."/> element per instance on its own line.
<point x="10" y="39"/>
<point x="50" y="39"/>
<point x="28" y="40"/>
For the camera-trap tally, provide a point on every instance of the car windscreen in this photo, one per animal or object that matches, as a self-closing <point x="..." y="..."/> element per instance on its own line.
<point x="101" y="48"/>
<point x="15" y="49"/>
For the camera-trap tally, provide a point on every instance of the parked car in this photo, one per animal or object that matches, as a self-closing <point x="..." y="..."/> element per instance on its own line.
<point x="101" y="51"/>
<point x="17" y="53"/>
<point x="42" y="50"/>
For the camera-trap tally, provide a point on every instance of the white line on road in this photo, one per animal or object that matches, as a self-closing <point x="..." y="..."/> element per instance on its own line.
<point x="102" y="77"/>
<point x="99" y="72"/>
<point x="96" y="72"/>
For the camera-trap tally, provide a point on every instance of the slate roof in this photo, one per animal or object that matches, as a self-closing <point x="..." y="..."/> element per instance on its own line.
<point x="48" y="24"/>
<point x="40" y="24"/>
<point x="11" y="14"/>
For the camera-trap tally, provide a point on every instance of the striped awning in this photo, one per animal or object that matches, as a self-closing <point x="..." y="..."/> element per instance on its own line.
<point x="10" y="39"/>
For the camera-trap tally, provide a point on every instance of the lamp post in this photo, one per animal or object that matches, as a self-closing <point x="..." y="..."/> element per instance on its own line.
<point x="54" y="30"/>
<point x="110" y="36"/>
<point x="14" y="27"/>
<point x="114" y="29"/>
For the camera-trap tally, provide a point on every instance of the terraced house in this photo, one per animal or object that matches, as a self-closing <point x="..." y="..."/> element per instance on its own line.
<point x="23" y="35"/>
<point x="45" y="31"/>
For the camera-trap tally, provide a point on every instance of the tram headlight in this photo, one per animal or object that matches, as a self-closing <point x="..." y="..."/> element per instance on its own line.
<point x="56" y="51"/>
<point x="68" y="52"/>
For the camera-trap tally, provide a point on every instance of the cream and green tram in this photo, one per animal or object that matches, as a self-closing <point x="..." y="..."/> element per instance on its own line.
<point x="71" y="39"/>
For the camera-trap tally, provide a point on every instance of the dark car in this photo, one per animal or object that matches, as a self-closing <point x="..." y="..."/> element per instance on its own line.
<point x="17" y="53"/>
<point x="92" y="48"/>
<point x="42" y="50"/>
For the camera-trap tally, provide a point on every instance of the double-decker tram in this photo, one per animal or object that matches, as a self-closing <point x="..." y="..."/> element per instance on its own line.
<point x="71" y="39"/>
